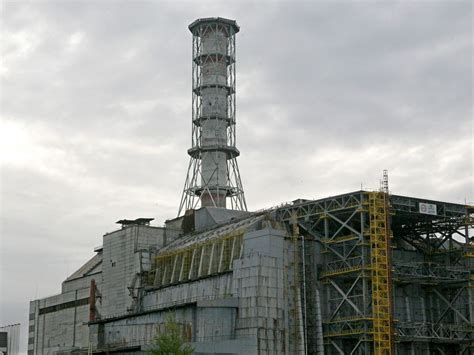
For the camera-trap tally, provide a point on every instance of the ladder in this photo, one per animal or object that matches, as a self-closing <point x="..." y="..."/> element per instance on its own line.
<point x="381" y="280"/>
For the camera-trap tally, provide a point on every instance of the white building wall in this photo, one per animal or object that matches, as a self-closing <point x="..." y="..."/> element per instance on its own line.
<point x="121" y="264"/>
<point x="59" y="323"/>
<point x="82" y="283"/>
<point x="13" y="331"/>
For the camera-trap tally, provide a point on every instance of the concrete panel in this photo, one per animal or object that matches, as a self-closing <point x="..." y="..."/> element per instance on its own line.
<point x="266" y="241"/>
<point x="219" y="303"/>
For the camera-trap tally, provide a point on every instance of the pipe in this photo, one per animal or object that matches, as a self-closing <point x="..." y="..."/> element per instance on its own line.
<point x="319" y="325"/>
<point x="74" y="321"/>
<point x="305" y="332"/>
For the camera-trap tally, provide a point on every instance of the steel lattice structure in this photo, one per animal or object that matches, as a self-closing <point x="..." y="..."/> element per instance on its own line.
<point x="429" y="282"/>
<point x="213" y="174"/>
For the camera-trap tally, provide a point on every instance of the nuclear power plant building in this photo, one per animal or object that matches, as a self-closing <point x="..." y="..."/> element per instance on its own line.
<point x="364" y="272"/>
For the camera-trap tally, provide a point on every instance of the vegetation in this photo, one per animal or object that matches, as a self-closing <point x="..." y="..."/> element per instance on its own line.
<point x="169" y="339"/>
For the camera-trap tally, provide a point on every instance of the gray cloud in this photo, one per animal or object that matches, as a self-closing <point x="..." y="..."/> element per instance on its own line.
<point x="96" y="114"/>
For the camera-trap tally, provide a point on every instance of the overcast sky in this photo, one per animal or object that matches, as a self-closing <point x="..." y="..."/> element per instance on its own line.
<point x="96" y="115"/>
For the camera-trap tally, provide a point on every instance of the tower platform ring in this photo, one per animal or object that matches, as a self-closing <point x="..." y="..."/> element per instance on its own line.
<point x="197" y="121"/>
<point x="200" y="59"/>
<point x="213" y="21"/>
<point x="197" y="89"/>
<point x="232" y="152"/>
<point x="198" y="190"/>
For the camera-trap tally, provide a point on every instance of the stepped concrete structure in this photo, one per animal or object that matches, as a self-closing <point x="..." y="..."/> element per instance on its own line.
<point x="365" y="272"/>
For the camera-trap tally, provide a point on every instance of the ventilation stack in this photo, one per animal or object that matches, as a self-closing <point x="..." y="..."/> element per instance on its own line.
<point x="213" y="175"/>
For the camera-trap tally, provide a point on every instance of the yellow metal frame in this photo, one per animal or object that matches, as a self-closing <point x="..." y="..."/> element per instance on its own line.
<point x="381" y="277"/>
<point x="470" y="251"/>
<point x="349" y="332"/>
<point x="343" y="271"/>
<point x="340" y="239"/>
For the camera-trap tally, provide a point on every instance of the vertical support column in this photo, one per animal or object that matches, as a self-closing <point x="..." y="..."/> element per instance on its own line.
<point x="74" y="320"/>
<point x="37" y="326"/>
<point x="364" y="252"/>
<point x="469" y="222"/>
<point x="92" y="300"/>
<point x="407" y="308"/>
<point x="192" y="265"/>
<point x="366" y="262"/>
<point x="298" y="331"/>
<point x="319" y="324"/>
<point x="470" y="293"/>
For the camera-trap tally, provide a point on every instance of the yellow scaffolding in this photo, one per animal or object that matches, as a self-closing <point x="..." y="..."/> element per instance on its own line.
<point x="343" y="271"/>
<point x="340" y="239"/>
<point x="381" y="280"/>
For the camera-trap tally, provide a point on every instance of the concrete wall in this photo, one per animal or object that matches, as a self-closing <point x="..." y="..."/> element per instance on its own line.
<point x="240" y="312"/>
<point x="13" y="338"/>
<point x="207" y="217"/>
<point x="210" y="328"/>
<point x="32" y="328"/>
<point x="219" y="286"/>
<point x="58" y="322"/>
<point x="259" y="284"/>
<point x="243" y="311"/>
<point x="122" y="263"/>
<point x="80" y="283"/>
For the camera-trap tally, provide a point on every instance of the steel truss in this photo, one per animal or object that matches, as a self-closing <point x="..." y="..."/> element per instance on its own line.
<point x="440" y="274"/>
<point x="343" y="267"/>
<point x="340" y="227"/>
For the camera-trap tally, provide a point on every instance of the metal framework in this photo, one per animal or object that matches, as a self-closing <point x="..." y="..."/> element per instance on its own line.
<point x="198" y="260"/>
<point x="213" y="174"/>
<point x="360" y="239"/>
